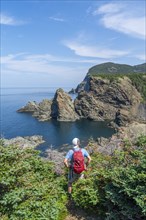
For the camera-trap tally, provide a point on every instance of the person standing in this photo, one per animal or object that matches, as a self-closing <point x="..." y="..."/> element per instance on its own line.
<point x="75" y="161"/>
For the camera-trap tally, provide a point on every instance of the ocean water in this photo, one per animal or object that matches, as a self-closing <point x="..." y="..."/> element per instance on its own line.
<point x="54" y="133"/>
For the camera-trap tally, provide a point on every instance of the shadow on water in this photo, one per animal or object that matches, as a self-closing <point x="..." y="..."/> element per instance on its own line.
<point x="62" y="133"/>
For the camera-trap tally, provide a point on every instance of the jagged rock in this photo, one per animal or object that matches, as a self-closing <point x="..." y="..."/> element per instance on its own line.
<point x="25" y="142"/>
<point x="103" y="98"/>
<point x="72" y="91"/>
<point x="43" y="112"/>
<point x="31" y="106"/>
<point x="62" y="107"/>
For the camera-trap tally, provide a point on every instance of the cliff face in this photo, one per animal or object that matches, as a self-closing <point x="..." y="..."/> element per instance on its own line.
<point x="103" y="98"/>
<point x="109" y="69"/>
<point x="108" y="87"/>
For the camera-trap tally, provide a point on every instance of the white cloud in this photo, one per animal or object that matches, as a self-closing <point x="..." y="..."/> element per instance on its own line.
<point x="44" y="59"/>
<point x="40" y="64"/>
<point x="108" y="8"/>
<point x="93" y="51"/>
<point x="56" y="19"/>
<point x="123" y="19"/>
<point x="31" y="63"/>
<point x="9" y="20"/>
<point x="44" y="69"/>
<point x="41" y="68"/>
<point x="141" y="57"/>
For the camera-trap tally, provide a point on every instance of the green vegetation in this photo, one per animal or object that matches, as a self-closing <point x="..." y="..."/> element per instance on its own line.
<point x="138" y="80"/>
<point x="111" y="68"/>
<point x="114" y="187"/>
<point x="29" y="188"/>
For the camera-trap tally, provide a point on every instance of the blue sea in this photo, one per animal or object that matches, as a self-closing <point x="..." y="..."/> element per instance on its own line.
<point x="54" y="133"/>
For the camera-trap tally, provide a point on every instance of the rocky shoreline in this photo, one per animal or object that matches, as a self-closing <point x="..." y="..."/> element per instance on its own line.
<point x="24" y="142"/>
<point x="106" y="146"/>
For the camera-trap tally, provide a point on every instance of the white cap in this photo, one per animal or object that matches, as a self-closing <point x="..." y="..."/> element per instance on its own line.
<point x="75" y="141"/>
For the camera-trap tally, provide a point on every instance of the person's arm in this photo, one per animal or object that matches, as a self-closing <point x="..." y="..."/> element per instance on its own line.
<point x="68" y="158"/>
<point x="89" y="160"/>
<point x="86" y="154"/>
<point x="66" y="162"/>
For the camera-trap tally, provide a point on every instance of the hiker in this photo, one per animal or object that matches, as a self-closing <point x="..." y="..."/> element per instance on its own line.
<point x="75" y="161"/>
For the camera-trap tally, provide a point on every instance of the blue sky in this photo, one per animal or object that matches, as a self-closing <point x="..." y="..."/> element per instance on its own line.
<point x="54" y="43"/>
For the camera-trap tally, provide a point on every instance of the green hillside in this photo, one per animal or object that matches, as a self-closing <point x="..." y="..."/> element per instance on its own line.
<point x="113" y="71"/>
<point x="110" y="68"/>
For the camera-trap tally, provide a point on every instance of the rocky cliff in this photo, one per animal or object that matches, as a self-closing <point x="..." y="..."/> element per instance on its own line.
<point x="106" y="88"/>
<point x="108" y="69"/>
<point x="103" y="98"/>
<point x="61" y="108"/>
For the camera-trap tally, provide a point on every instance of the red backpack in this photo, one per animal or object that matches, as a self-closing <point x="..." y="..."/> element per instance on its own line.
<point x="78" y="162"/>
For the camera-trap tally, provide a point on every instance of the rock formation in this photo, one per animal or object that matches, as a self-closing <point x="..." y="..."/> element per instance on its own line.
<point x="108" y="145"/>
<point x="42" y="110"/>
<point x="62" y="107"/>
<point x="24" y="142"/>
<point x="108" y="69"/>
<point x="106" y="88"/>
<point x="103" y="98"/>
<point x="31" y="106"/>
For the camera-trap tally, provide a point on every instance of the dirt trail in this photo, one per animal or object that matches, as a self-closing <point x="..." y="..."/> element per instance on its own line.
<point x="76" y="213"/>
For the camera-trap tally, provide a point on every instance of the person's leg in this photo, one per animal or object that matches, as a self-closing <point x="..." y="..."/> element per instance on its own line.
<point x="70" y="180"/>
<point x="69" y="188"/>
<point x="73" y="178"/>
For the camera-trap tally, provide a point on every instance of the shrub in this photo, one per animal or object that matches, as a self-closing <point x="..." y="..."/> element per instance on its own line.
<point x="115" y="186"/>
<point x="29" y="188"/>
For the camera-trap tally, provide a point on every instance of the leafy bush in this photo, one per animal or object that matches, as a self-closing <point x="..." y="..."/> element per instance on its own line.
<point x="29" y="188"/>
<point x="114" y="187"/>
